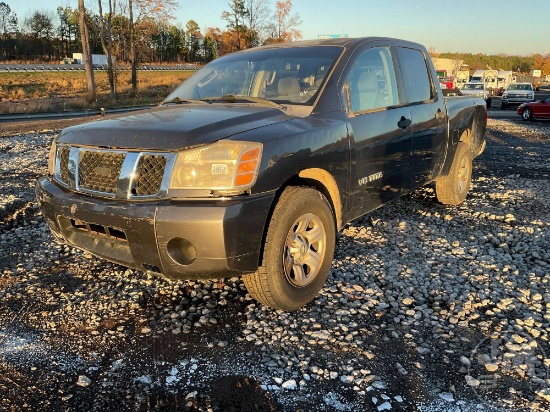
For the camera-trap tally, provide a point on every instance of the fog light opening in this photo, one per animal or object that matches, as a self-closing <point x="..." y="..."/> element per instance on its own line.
<point x="181" y="251"/>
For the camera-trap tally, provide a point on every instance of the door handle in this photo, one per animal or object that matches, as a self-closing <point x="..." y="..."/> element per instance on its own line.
<point x="403" y="123"/>
<point x="440" y="114"/>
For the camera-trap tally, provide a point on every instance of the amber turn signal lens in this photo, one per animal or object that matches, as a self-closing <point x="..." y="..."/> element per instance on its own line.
<point x="250" y="155"/>
<point x="247" y="168"/>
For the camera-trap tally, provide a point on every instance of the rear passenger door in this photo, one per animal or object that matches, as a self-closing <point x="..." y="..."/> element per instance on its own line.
<point x="379" y="127"/>
<point x="429" y="119"/>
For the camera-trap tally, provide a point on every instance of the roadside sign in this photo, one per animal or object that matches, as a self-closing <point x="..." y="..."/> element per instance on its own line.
<point x="332" y="36"/>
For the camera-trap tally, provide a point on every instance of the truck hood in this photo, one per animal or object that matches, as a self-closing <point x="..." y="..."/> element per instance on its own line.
<point x="173" y="127"/>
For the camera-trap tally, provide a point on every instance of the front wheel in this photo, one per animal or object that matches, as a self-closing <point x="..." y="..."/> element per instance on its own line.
<point x="453" y="188"/>
<point x="297" y="252"/>
<point x="527" y="114"/>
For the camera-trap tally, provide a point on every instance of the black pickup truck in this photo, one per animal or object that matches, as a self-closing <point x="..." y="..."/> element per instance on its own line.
<point x="253" y="165"/>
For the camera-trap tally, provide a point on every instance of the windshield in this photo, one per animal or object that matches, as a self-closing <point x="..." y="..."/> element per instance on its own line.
<point x="520" y="87"/>
<point x="468" y="86"/>
<point x="282" y="75"/>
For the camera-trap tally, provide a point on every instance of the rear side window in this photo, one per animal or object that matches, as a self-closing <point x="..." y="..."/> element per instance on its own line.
<point x="415" y="75"/>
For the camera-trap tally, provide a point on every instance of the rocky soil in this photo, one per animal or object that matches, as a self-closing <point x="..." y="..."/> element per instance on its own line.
<point x="426" y="308"/>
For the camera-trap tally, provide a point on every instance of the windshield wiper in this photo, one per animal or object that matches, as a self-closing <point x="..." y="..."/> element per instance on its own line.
<point x="177" y="100"/>
<point x="231" y="98"/>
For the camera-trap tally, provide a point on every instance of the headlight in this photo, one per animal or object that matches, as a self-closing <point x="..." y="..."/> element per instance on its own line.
<point x="227" y="167"/>
<point x="51" y="158"/>
<point x="530" y="96"/>
<point x="505" y="95"/>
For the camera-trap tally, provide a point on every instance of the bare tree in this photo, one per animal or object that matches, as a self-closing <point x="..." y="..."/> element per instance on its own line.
<point x="86" y="51"/>
<point x="259" y="14"/>
<point x="140" y="12"/>
<point x="8" y="25"/>
<point x="133" y="57"/>
<point x="8" y="19"/>
<point x="106" y="35"/>
<point x="286" y="23"/>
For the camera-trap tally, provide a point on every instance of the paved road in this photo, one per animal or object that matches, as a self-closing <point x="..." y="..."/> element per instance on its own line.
<point x="32" y="68"/>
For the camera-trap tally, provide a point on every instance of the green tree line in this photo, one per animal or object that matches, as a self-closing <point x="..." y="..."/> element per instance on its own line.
<point x="523" y="64"/>
<point x="52" y="36"/>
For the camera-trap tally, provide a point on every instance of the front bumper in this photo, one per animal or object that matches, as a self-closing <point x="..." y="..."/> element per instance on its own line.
<point x="516" y="101"/>
<point x="204" y="239"/>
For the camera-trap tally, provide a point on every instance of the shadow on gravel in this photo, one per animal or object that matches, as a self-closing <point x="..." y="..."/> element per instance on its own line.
<point x="77" y="333"/>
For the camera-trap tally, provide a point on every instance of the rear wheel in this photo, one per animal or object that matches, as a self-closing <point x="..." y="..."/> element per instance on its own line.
<point x="453" y="188"/>
<point x="527" y="114"/>
<point x="298" y="251"/>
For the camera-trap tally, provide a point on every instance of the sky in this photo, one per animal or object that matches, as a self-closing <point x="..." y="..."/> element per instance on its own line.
<point x="482" y="26"/>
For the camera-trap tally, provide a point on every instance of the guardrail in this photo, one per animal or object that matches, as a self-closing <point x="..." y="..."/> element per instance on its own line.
<point x="16" y="117"/>
<point x="34" y="68"/>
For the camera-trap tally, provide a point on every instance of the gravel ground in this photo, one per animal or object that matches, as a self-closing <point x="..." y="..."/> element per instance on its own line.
<point x="426" y="308"/>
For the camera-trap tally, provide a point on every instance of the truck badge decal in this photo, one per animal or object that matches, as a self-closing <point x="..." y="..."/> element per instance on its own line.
<point x="368" y="179"/>
<point x="102" y="171"/>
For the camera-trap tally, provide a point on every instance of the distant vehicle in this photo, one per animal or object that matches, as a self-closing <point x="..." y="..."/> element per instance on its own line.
<point x="504" y="80"/>
<point x="535" y="73"/>
<point x="488" y="77"/>
<point x="462" y="77"/>
<point x="68" y="60"/>
<point x="448" y="82"/>
<point x="478" y="89"/>
<point x="516" y="94"/>
<point x="527" y="78"/>
<point x="98" y="60"/>
<point x="535" y="110"/>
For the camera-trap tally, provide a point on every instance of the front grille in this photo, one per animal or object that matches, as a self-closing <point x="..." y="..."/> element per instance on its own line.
<point x="114" y="173"/>
<point x="150" y="172"/>
<point x="63" y="154"/>
<point x="99" y="171"/>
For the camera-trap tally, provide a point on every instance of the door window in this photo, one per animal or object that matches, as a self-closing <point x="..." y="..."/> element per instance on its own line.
<point x="371" y="81"/>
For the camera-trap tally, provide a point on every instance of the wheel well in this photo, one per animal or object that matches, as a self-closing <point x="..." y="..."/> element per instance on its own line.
<point x="325" y="183"/>
<point x="466" y="137"/>
<point x="322" y="181"/>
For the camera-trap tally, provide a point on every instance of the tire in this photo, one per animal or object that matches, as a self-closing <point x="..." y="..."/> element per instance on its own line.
<point x="527" y="113"/>
<point x="297" y="252"/>
<point x="453" y="188"/>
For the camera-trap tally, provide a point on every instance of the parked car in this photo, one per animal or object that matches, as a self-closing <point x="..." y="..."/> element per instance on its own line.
<point x="516" y="94"/>
<point x="535" y="110"/>
<point x="478" y="89"/>
<point x="448" y="82"/>
<point x="254" y="163"/>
